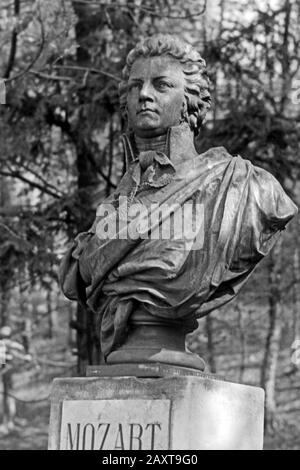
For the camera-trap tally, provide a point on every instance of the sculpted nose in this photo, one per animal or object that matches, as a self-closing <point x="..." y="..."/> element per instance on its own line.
<point x="146" y="92"/>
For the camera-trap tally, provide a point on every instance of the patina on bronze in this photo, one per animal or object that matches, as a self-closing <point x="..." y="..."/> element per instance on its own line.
<point x="148" y="293"/>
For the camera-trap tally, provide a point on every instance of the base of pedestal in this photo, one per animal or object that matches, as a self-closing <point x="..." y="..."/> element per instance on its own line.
<point x="156" y="340"/>
<point x="181" y="412"/>
<point x="162" y="356"/>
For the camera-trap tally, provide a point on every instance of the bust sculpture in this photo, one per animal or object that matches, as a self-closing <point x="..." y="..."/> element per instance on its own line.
<point x="147" y="292"/>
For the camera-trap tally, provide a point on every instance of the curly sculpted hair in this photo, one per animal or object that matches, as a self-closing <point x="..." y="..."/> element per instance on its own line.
<point x="197" y="93"/>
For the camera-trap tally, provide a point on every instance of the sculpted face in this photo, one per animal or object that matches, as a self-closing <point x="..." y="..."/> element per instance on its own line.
<point x="155" y="97"/>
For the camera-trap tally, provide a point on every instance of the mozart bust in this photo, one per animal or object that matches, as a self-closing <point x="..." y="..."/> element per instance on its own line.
<point x="147" y="292"/>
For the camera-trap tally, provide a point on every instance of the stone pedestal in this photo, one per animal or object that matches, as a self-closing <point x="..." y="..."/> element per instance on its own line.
<point x="181" y="412"/>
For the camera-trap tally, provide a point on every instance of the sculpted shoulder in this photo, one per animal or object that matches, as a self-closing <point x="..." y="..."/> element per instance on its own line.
<point x="260" y="185"/>
<point x="216" y="155"/>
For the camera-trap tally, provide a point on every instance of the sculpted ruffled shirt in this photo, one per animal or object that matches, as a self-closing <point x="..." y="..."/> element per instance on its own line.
<point x="242" y="210"/>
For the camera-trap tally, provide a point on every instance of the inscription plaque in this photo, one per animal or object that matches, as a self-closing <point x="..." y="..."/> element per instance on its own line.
<point x="115" y="425"/>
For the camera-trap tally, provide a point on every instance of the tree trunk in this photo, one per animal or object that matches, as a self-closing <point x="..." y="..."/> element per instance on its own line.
<point x="9" y="403"/>
<point x="71" y="316"/>
<point x="210" y="345"/>
<point x="243" y="342"/>
<point x="296" y="307"/>
<point x="272" y="347"/>
<point x="6" y="270"/>
<point x="296" y="294"/>
<point x="51" y="313"/>
<point x="88" y="346"/>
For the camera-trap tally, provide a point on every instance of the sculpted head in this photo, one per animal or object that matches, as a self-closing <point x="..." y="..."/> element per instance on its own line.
<point x="164" y="84"/>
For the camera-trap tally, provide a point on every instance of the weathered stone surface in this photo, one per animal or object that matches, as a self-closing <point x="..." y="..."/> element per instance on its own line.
<point x="115" y="424"/>
<point x="144" y="370"/>
<point x="205" y="413"/>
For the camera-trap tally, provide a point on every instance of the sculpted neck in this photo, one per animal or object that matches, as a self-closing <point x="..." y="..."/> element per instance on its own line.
<point x="177" y="144"/>
<point x="157" y="143"/>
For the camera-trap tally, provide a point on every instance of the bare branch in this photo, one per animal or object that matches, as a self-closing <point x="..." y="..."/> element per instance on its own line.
<point x="99" y="170"/>
<point x="14" y="40"/>
<point x="16" y="174"/>
<point x="37" y="175"/>
<point x="40" y="50"/>
<point x="149" y="11"/>
<point x="9" y="230"/>
<point x="87" y="69"/>
<point x="50" y="77"/>
<point x="106" y="178"/>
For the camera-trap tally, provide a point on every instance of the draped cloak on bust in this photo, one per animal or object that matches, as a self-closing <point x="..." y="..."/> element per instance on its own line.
<point x="244" y="210"/>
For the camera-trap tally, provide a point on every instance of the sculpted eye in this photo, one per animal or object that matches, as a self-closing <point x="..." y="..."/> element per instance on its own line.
<point x="163" y="85"/>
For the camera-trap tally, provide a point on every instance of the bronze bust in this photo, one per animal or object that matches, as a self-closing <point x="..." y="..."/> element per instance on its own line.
<point x="148" y="292"/>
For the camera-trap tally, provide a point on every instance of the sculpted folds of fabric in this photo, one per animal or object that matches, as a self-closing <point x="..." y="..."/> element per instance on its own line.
<point x="244" y="208"/>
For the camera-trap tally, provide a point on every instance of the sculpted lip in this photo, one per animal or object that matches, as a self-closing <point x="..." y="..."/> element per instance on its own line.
<point x="147" y="110"/>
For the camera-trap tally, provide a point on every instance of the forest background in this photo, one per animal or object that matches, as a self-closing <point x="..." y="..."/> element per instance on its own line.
<point x="60" y="156"/>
